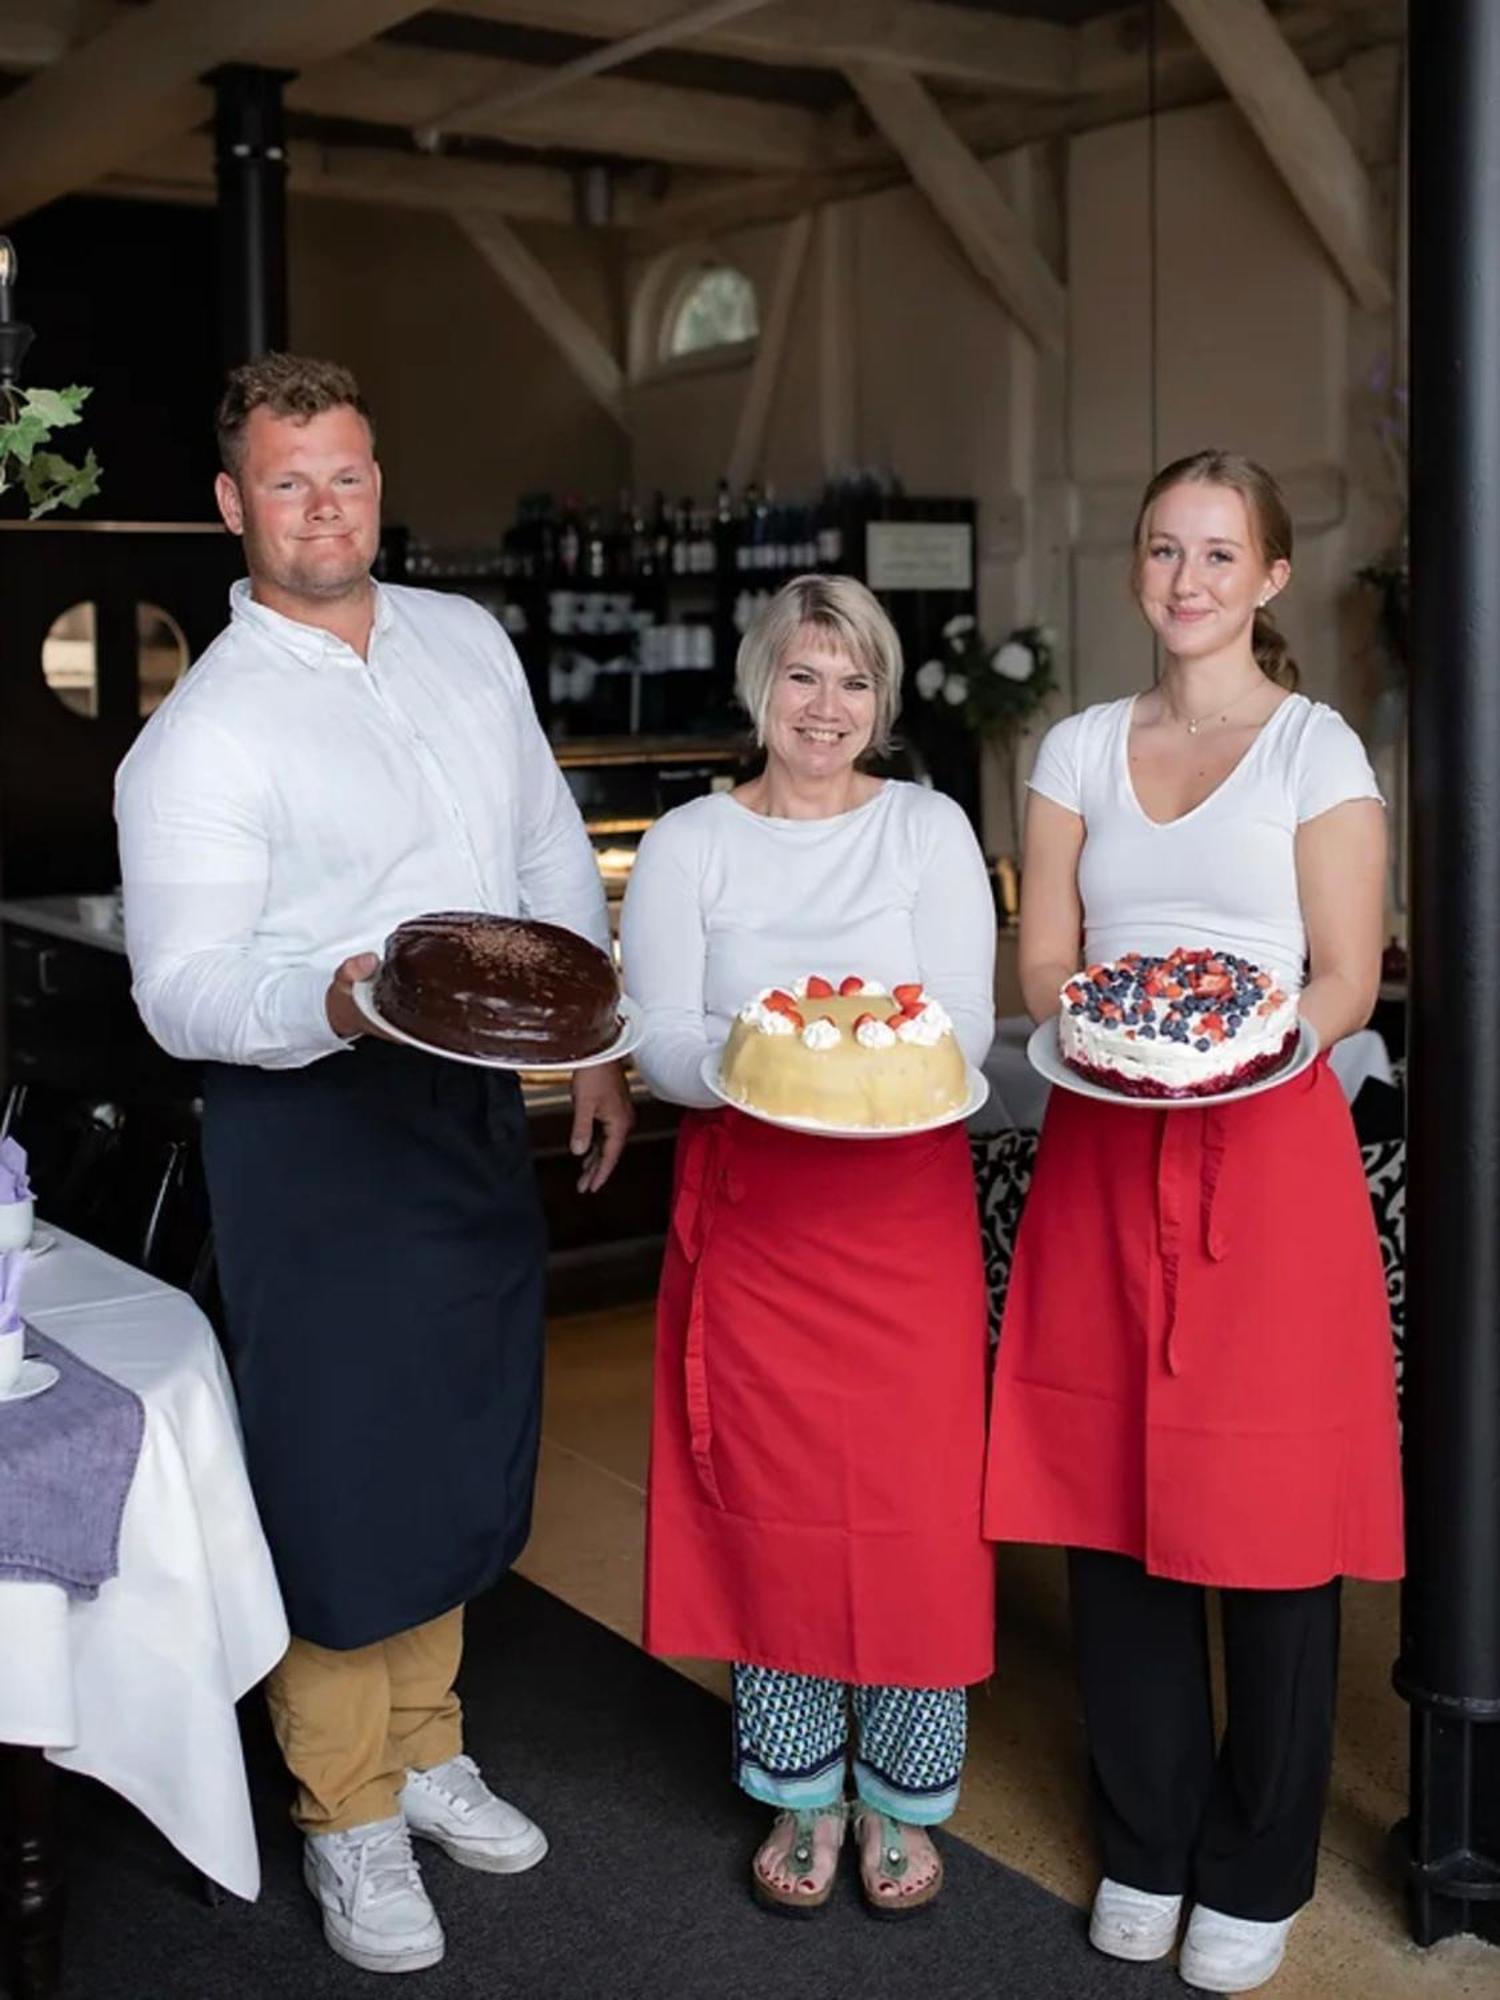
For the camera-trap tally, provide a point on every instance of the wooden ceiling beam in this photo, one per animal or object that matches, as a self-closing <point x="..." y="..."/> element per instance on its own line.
<point x="748" y="449"/>
<point x="34" y="33"/>
<point x="135" y="83"/>
<point x="1111" y="60"/>
<point x="958" y="45"/>
<point x="534" y="289"/>
<point x="995" y="240"/>
<point x="389" y="84"/>
<point x="184" y="171"/>
<point x="1303" y="140"/>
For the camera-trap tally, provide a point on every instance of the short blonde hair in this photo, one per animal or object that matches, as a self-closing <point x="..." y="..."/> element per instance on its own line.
<point x="851" y="617"/>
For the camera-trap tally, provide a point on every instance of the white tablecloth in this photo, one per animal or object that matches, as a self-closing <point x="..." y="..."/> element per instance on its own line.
<point x="137" y="1688"/>
<point x="1018" y="1094"/>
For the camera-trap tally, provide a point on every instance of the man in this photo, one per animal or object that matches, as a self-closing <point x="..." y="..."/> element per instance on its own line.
<point x="345" y="755"/>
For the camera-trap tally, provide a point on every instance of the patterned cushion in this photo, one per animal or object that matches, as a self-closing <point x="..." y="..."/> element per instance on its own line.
<point x="1002" y="1168"/>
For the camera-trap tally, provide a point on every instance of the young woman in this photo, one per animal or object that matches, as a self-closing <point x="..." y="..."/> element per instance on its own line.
<point x="1195" y="1383"/>
<point x="818" y="1443"/>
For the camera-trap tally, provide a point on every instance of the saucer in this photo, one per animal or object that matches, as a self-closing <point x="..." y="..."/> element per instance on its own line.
<point x="42" y="1240"/>
<point x="1045" y="1056"/>
<point x="35" y="1376"/>
<point x="979" y="1091"/>
<point x="627" y="1037"/>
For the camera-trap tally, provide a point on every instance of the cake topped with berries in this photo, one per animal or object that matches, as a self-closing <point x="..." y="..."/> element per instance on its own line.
<point x="850" y="1054"/>
<point x="1192" y="1024"/>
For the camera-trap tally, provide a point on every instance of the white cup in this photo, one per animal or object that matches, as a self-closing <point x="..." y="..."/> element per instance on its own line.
<point x="16" y="1221"/>
<point x="12" y="1353"/>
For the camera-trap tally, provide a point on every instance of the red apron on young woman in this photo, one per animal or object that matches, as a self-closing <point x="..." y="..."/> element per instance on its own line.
<point x="818" y="1436"/>
<point x="1196" y="1366"/>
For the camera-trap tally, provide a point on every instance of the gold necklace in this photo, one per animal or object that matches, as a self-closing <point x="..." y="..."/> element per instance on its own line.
<point x="1192" y="723"/>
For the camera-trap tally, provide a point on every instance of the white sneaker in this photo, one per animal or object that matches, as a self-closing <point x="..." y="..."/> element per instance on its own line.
<point x="375" y="1909"/>
<point x="1230" y="1954"/>
<point x="453" y="1806"/>
<point x="1132" y="1923"/>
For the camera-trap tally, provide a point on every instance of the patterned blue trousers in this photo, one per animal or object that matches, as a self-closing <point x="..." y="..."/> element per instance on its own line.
<point x="792" y="1740"/>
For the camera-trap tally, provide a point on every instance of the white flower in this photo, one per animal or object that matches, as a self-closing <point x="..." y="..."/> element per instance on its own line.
<point x="956" y="689"/>
<point x="959" y="627"/>
<point x="1015" y="661"/>
<point x="930" y="677"/>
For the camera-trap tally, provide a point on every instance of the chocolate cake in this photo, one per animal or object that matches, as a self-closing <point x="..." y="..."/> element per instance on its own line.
<point x="501" y="987"/>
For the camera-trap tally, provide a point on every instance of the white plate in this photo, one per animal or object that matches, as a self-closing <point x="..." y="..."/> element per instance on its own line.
<point x="979" y="1090"/>
<point x="35" y="1376"/>
<point x="623" y="1043"/>
<point x="1044" y="1055"/>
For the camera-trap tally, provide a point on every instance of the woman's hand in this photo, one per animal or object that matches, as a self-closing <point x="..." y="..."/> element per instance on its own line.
<point x="1051" y="911"/>
<point x="1341" y="885"/>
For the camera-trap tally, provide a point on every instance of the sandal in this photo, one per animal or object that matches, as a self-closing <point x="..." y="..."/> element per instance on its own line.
<point x="794" y="1867"/>
<point x="890" y="1873"/>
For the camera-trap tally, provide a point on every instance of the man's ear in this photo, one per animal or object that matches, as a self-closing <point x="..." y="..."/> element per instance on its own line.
<point x="227" y="494"/>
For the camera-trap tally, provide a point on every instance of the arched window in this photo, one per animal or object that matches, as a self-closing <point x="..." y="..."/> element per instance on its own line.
<point x="715" y="307"/>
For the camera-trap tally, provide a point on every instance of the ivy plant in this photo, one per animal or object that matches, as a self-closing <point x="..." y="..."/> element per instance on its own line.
<point x="28" y="417"/>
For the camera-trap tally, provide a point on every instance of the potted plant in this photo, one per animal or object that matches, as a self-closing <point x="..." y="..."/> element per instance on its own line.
<point x="28" y="418"/>
<point x="994" y="691"/>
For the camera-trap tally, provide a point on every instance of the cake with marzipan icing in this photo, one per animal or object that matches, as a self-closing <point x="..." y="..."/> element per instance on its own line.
<point x="851" y="1055"/>
<point x="1192" y="1024"/>
<point x="501" y="987"/>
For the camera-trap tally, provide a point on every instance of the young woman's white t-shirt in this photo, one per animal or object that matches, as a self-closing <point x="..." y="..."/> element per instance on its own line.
<point x="1221" y="877"/>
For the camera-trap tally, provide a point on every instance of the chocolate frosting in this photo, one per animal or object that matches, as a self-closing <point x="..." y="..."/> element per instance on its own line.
<point x="498" y="986"/>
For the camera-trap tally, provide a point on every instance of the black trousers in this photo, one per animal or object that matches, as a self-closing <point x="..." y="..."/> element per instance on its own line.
<point x="1235" y="1824"/>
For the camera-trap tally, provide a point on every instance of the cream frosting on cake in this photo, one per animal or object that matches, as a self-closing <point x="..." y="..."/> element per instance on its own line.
<point x="1192" y="1024"/>
<point x="851" y="1055"/>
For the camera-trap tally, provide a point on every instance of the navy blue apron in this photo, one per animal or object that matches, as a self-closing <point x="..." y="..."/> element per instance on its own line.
<point x="380" y="1248"/>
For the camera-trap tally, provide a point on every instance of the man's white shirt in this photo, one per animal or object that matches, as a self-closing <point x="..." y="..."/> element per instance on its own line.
<point x="290" y="804"/>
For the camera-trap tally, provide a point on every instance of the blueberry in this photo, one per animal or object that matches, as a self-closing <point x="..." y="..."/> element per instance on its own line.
<point x="1076" y="1007"/>
<point x="1148" y="1034"/>
<point x="1202" y="1045"/>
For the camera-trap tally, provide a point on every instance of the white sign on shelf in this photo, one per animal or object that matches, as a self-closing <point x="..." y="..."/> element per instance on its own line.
<point x="919" y="555"/>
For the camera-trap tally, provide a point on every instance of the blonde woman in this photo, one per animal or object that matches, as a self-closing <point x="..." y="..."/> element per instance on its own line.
<point x="817" y="1446"/>
<point x="1195" y="1383"/>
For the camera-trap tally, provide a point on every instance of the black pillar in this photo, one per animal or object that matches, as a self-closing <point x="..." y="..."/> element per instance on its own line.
<point x="1449" y="1669"/>
<point x="250" y="155"/>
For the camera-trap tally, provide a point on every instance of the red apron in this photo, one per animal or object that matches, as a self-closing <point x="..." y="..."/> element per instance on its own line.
<point x="817" y="1447"/>
<point x="1196" y="1366"/>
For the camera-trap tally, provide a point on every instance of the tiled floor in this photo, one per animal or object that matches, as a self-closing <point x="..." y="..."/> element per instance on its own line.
<point x="1023" y="1798"/>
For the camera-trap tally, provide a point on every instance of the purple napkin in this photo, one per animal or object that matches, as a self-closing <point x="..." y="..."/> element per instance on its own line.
<point x="14" y="1182"/>
<point x="67" y="1458"/>
<point x="12" y="1270"/>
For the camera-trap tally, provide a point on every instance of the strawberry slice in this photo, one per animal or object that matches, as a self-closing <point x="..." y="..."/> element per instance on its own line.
<point x="850" y="986"/>
<point x="1215" y="985"/>
<point x="859" y="1022"/>
<point x="909" y="997"/>
<point x="819" y="989"/>
<point x="896" y="1020"/>
<point x="780" y="1003"/>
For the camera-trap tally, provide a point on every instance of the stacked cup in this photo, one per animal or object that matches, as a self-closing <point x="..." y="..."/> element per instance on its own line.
<point x="16" y="1217"/>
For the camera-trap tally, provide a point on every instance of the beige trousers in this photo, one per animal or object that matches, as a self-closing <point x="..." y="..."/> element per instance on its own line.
<point x="351" y="1725"/>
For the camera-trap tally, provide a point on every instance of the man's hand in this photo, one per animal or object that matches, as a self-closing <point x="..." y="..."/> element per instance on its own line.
<point x="344" y="1017"/>
<point x="602" y="1117"/>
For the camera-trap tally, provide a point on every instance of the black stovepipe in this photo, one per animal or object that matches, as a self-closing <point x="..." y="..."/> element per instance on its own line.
<point x="251" y="168"/>
<point x="1449" y="1670"/>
